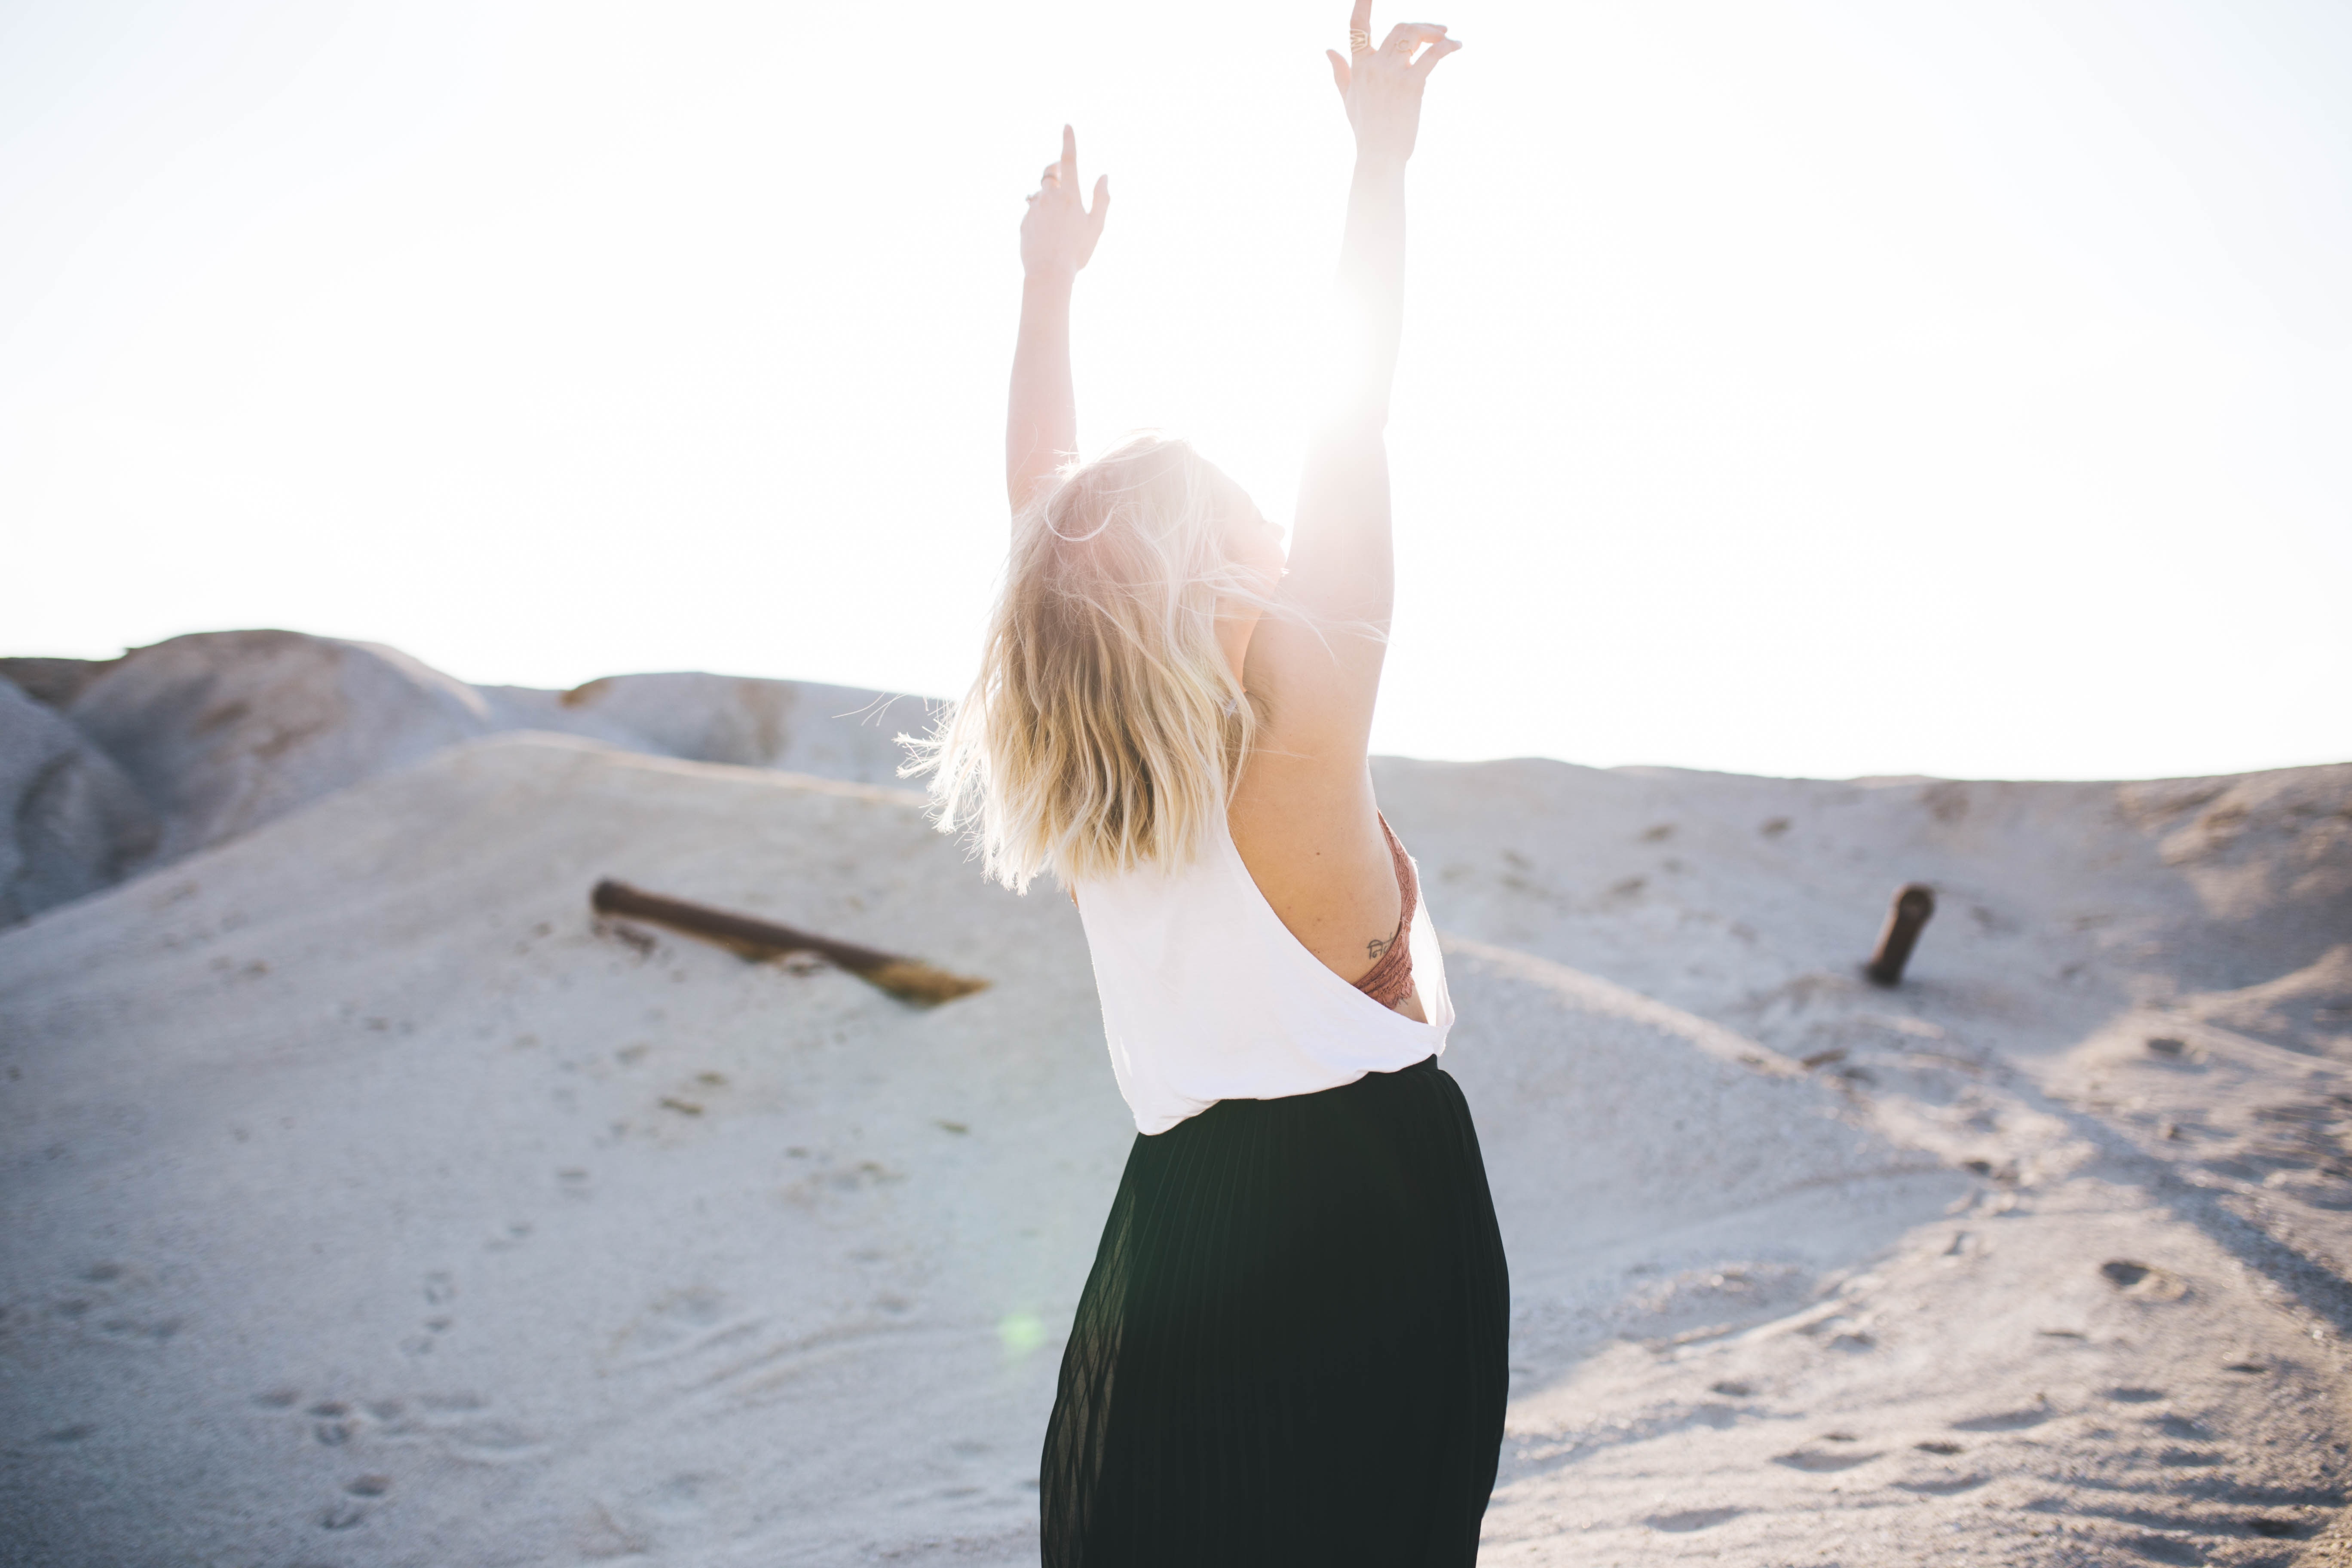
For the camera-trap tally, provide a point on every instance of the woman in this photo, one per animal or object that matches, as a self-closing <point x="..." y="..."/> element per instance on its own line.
<point x="1291" y="1347"/>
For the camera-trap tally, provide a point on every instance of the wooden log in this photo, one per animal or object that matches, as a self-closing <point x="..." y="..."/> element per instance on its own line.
<point x="909" y="979"/>
<point x="1914" y="903"/>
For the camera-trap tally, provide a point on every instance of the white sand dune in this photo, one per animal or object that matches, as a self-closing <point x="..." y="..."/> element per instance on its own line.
<point x="367" y="1202"/>
<point x="73" y="823"/>
<point x="220" y="733"/>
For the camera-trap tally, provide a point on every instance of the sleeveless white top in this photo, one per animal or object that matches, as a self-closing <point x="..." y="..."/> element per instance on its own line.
<point x="1207" y="997"/>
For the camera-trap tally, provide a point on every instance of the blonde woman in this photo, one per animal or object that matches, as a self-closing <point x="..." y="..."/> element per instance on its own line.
<point x="1291" y="1347"/>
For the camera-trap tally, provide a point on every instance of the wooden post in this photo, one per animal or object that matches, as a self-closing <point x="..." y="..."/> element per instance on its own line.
<point x="1914" y="903"/>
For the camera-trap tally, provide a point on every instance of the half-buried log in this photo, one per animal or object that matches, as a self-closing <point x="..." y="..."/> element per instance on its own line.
<point x="909" y="979"/>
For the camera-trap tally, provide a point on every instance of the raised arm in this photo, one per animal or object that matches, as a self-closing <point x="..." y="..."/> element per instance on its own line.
<point x="1340" y="557"/>
<point x="1058" y="238"/>
<point x="1320" y="677"/>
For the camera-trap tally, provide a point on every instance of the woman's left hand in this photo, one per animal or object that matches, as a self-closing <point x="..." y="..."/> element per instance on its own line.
<point x="1059" y="234"/>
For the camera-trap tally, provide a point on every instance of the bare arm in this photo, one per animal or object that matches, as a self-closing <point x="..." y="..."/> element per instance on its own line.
<point x="1322" y="681"/>
<point x="1058" y="238"/>
<point x="1340" y="563"/>
<point x="1302" y="813"/>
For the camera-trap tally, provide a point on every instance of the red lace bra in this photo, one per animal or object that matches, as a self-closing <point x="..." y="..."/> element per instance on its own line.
<point x="1389" y="980"/>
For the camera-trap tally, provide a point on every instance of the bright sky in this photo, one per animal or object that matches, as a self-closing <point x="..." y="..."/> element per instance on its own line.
<point x="1800" y="388"/>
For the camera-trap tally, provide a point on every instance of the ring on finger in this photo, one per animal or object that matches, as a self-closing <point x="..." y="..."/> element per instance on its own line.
<point x="1360" y="42"/>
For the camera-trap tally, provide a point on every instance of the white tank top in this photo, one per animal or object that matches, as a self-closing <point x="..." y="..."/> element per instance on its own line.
<point x="1207" y="997"/>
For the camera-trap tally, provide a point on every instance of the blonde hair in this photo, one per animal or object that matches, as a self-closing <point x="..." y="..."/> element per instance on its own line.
<point x="1106" y="728"/>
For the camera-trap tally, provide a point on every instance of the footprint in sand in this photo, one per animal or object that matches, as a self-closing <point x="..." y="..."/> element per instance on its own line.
<point x="1689" y="1520"/>
<point x="839" y="1181"/>
<point x="2007" y="1421"/>
<point x="2142" y="1281"/>
<point x="1820" y="1461"/>
<point x="333" y="1422"/>
<point x="1941" y="1486"/>
<point x="105" y="1297"/>
<point x="440" y="1288"/>
<point x="2186" y="1458"/>
<point x="421" y="1344"/>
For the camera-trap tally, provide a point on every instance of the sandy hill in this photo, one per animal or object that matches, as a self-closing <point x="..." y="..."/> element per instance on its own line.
<point x="368" y="1202"/>
<point x="219" y="733"/>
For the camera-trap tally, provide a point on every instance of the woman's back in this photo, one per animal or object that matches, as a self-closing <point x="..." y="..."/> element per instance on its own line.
<point x="1207" y="997"/>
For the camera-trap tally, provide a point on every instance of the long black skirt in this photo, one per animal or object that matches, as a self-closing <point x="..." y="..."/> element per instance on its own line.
<point x="1292" y="1347"/>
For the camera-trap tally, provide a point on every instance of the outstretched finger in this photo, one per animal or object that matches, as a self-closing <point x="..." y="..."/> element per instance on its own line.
<point x="1405" y="37"/>
<point x="1432" y="55"/>
<point x="1360" y="29"/>
<point x="1070" y="157"/>
<point x="1339" y="72"/>
<point x="1102" y="201"/>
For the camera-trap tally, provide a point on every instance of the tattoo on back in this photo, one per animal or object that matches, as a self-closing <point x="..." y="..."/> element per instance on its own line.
<point x="1376" y="946"/>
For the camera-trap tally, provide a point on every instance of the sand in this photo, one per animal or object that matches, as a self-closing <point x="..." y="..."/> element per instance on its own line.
<point x="71" y="822"/>
<point x="189" y="743"/>
<point x="368" y="1202"/>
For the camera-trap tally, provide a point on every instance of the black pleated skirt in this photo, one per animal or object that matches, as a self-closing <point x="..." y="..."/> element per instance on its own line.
<point x="1292" y="1347"/>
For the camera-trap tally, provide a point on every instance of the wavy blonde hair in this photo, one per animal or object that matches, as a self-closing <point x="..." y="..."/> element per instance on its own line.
<point x="1106" y="728"/>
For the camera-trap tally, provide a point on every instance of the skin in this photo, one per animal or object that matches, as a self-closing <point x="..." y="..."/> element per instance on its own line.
<point x="1302" y="814"/>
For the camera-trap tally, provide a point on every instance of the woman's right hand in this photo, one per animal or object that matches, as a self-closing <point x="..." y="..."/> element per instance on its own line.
<point x="1381" y="88"/>
<point x="1059" y="234"/>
